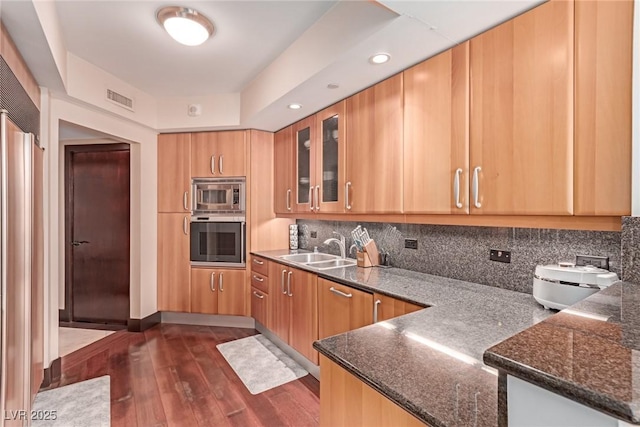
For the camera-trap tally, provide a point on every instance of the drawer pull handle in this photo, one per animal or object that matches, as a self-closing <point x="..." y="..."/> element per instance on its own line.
<point x="258" y="295"/>
<point x="257" y="261"/>
<point x="375" y="310"/>
<point x="338" y="292"/>
<point x="258" y="279"/>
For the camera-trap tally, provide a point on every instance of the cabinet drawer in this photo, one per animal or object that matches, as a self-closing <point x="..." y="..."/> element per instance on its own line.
<point x="260" y="309"/>
<point x="259" y="265"/>
<point x="259" y="281"/>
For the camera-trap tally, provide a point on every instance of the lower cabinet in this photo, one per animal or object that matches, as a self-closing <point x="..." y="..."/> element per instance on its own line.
<point x="341" y="308"/>
<point x="217" y="291"/>
<point x="347" y="401"/>
<point x="261" y="307"/>
<point x="386" y="308"/>
<point x="295" y="309"/>
<point x="173" y="262"/>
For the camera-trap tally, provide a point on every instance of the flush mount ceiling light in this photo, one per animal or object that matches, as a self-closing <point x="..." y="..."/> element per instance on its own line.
<point x="379" y="58"/>
<point x="186" y="26"/>
<point x="295" y="106"/>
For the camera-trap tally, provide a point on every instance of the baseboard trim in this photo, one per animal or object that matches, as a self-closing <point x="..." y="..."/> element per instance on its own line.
<point x="290" y="351"/>
<point x="208" y="320"/>
<point x="141" y="325"/>
<point x="52" y="374"/>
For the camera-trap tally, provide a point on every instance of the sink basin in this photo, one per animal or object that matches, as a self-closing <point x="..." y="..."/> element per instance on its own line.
<point x="334" y="263"/>
<point x="310" y="257"/>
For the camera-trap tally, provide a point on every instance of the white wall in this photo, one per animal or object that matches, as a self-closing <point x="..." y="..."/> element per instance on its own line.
<point x="143" y="205"/>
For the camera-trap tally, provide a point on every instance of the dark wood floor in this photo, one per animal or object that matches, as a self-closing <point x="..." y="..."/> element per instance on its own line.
<point x="173" y="375"/>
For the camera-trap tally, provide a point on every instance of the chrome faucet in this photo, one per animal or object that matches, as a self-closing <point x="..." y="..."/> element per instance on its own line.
<point x="341" y="243"/>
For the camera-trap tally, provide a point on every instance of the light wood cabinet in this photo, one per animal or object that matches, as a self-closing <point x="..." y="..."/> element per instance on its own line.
<point x="436" y="134"/>
<point x="521" y="133"/>
<point x="602" y="144"/>
<point x="386" y="307"/>
<point x="374" y="152"/>
<point x="174" y="172"/>
<point x="304" y="141"/>
<point x="341" y="308"/>
<point x="218" y="154"/>
<point x="347" y="401"/>
<point x="295" y="308"/>
<point x="330" y="152"/>
<point x="284" y="164"/>
<point x="217" y="291"/>
<point x="173" y="262"/>
<point x="260" y="307"/>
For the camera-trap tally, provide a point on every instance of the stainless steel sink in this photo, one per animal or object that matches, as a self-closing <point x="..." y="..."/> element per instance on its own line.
<point x="310" y="257"/>
<point x="334" y="263"/>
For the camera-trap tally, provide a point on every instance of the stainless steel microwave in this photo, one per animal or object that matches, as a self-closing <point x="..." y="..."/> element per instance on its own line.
<point x="218" y="196"/>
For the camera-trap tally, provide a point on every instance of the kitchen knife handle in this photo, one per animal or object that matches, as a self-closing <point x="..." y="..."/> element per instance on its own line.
<point x="184" y="201"/>
<point x="220" y="285"/>
<point x="476" y="185"/>
<point x="347" y="186"/>
<point x="212" y="282"/>
<point x="311" y="198"/>
<point x="289" y="283"/>
<point x="220" y="164"/>
<point x="282" y="281"/>
<point x="456" y="188"/>
<point x="185" y="224"/>
<point x="288" y="199"/>
<point x="213" y="164"/>
<point x="317" y="198"/>
<point x="375" y="310"/>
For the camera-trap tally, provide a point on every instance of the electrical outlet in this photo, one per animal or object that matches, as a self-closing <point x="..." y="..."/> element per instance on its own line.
<point x="500" y="256"/>
<point x="314" y="234"/>
<point x="411" y="243"/>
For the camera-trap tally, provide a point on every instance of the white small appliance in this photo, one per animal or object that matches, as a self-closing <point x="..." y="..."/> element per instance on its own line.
<point x="561" y="285"/>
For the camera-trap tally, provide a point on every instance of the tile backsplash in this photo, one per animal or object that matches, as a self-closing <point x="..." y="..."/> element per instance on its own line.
<point x="463" y="252"/>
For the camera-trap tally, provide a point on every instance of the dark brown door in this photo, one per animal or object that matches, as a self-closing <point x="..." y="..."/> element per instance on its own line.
<point x="97" y="233"/>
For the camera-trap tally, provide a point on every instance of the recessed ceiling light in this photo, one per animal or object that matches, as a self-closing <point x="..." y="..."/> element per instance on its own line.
<point x="379" y="58"/>
<point x="295" y="106"/>
<point x="186" y="26"/>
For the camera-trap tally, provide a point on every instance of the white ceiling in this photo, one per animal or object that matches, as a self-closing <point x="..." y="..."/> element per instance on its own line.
<point x="270" y="53"/>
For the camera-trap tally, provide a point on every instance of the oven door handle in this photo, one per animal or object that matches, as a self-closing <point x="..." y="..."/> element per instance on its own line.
<point x="242" y="254"/>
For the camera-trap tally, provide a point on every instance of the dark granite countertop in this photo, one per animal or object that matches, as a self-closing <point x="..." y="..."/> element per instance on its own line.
<point x="587" y="353"/>
<point x="430" y="362"/>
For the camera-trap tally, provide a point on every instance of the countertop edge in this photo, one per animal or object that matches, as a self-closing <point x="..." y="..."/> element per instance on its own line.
<point x="584" y="396"/>
<point x="394" y="397"/>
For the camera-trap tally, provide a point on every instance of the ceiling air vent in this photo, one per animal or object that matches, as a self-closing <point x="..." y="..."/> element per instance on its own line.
<point x="120" y="100"/>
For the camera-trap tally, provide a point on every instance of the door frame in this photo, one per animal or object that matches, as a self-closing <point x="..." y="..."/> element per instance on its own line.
<point x="65" y="314"/>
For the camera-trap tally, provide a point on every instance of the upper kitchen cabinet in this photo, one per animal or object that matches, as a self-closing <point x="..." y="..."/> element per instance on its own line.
<point x="218" y="154"/>
<point x="330" y="156"/>
<point x="603" y="60"/>
<point x="305" y="167"/>
<point x="521" y="147"/>
<point x="283" y="171"/>
<point x="374" y="152"/>
<point x="436" y="136"/>
<point x="174" y="172"/>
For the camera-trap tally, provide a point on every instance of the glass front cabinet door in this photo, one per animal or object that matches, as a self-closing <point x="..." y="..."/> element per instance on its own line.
<point x="330" y="159"/>
<point x="303" y="135"/>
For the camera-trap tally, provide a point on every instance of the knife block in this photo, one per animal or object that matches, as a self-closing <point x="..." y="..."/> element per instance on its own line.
<point x="369" y="257"/>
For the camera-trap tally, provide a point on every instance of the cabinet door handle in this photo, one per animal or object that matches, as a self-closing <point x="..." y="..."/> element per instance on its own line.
<point x="212" y="282"/>
<point x="311" y="198"/>
<point x="220" y="282"/>
<point x="476" y="187"/>
<point x="317" y="198"/>
<point x="375" y="310"/>
<point x="338" y="292"/>
<point x="220" y="164"/>
<point x="259" y="279"/>
<point x="289" y="284"/>
<point x="213" y="164"/>
<point x="347" y="186"/>
<point x="257" y="261"/>
<point x="289" y="199"/>
<point x="185" y="201"/>
<point x="456" y="188"/>
<point x="258" y="295"/>
<point x="282" y="281"/>
<point x="185" y="226"/>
